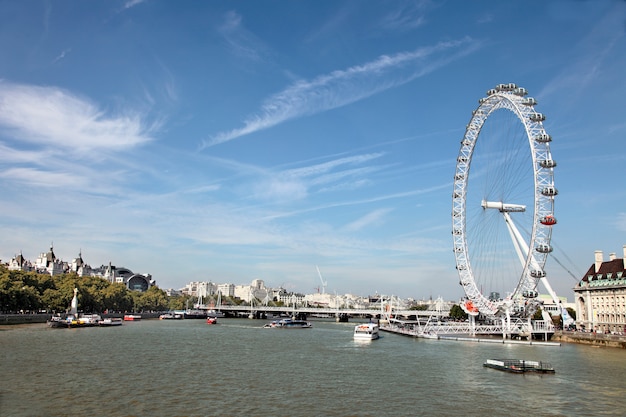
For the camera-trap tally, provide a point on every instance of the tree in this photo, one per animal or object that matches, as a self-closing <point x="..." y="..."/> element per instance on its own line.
<point x="457" y="313"/>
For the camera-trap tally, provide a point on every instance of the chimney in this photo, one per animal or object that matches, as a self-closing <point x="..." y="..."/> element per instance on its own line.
<point x="612" y="256"/>
<point x="624" y="247"/>
<point x="599" y="260"/>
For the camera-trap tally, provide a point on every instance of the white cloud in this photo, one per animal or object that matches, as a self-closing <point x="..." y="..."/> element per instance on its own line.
<point x="41" y="178"/>
<point x="343" y="87"/>
<point x="53" y="117"/>
<point x="373" y="217"/>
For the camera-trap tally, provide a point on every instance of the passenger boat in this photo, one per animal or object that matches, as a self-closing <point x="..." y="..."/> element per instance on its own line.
<point x="288" y="324"/>
<point x="366" y="331"/>
<point x="73" y="318"/>
<point x="84" y="320"/>
<point x="58" y="322"/>
<point x="215" y="313"/>
<point x="519" y="366"/>
<point x="171" y="316"/>
<point x="211" y="320"/>
<point x="132" y="317"/>
<point x="108" y="322"/>
<point x="195" y="314"/>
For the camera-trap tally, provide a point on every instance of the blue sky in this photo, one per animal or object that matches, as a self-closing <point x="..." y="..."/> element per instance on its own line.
<point x="238" y="140"/>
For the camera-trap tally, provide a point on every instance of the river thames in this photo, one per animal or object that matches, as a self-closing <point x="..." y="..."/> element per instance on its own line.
<point x="237" y="368"/>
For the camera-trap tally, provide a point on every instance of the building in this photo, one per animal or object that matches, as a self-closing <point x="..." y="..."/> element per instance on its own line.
<point x="601" y="295"/>
<point x="48" y="263"/>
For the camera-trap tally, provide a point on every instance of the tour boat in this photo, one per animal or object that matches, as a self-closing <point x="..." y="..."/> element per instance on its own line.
<point x="366" y="331"/>
<point x="108" y="322"/>
<point x="171" y="316"/>
<point x="73" y="318"/>
<point x="519" y="366"/>
<point x="289" y="324"/>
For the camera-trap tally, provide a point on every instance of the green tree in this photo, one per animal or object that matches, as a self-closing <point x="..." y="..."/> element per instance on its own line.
<point x="457" y="313"/>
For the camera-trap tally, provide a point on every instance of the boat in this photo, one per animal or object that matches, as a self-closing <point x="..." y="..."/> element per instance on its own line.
<point x="288" y="324"/>
<point x="519" y="366"/>
<point x="211" y="320"/>
<point x="57" y="322"/>
<point x="215" y="313"/>
<point x="84" y="320"/>
<point x="109" y="322"/>
<point x="171" y="316"/>
<point x="73" y="318"/>
<point x="195" y="314"/>
<point x="132" y="317"/>
<point x="366" y="331"/>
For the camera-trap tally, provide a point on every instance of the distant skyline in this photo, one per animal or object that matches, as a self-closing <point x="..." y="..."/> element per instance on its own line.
<point x="232" y="141"/>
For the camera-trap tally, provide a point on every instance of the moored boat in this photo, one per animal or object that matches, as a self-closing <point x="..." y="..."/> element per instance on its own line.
<point x="171" y="316"/>
<point x="132" y="317"/>
<point x="113" y="321"/>
<point x="289" y="324"/>
<point x="73" y="318"/>
<point x="195" y="314"/>
<point x="366" y="331"/>
<point x="84" y="320"/>
<point x="519" y="366"/>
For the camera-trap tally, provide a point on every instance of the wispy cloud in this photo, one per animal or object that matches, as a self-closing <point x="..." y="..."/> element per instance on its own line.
<point x="53" y="117"/>
<point x="294" y="184"/>
<point x="592" y="55"/>
<point x="241" y="42"/>
<point x="406" y="16"/>
<point x="35" y="177"/>
<point x="62" y="55"/>
<point x="372" y="217"/>
<point x="343" y="87"/>
<point x="132" y="3"/>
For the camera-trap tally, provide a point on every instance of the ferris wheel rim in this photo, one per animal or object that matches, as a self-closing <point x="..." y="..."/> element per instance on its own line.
<point x="512" y="98"/>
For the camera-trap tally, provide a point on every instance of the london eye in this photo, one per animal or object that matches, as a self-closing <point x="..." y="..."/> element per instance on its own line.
<point x="503" y="205"/>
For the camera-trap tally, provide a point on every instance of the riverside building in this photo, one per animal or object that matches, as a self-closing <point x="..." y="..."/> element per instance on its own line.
<point x="601" y="295"/>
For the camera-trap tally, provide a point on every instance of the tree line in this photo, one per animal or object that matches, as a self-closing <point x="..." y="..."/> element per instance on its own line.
<point x="34" y="292"/>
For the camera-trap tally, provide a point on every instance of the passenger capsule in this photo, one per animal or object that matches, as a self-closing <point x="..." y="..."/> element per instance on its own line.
<point x="547" y="163"/>
<point x="491" y="92"/>
<point x="548" y="220"/>
<point x="529" y="101"/>
<point x="482" y="100"/>
<point x="537" y="117"/>
<point x="520" y="92"/>
<point x="543" y="138"/>
<point x="543" y="248"/>
<point x="529" y="294"/>
<point x="537" y="273"/>
<point x="549" y="191"/>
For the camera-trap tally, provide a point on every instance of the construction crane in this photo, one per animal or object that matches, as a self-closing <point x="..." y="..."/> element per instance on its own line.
<point x="324" y="283"/>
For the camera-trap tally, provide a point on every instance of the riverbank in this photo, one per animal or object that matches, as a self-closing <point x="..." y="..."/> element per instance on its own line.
<point x="11" y="319"/>
<point x="594" y="339"/>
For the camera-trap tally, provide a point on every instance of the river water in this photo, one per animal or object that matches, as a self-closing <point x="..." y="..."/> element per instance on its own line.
<point x="237" y="368"/>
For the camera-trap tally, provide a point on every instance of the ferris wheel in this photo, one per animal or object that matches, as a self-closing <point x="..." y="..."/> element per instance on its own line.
<point x="503" y="212"/>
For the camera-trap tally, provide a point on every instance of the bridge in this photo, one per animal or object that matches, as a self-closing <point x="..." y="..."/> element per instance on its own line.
<point x="241" y="310"/>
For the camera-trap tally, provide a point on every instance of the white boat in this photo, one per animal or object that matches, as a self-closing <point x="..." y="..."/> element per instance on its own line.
<point x="171" y="316"/>
<point x="366" y="331"/>
<point x="216" y="314"/>
<point x="114" y="321"/>
<point x="289" y="324"/>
